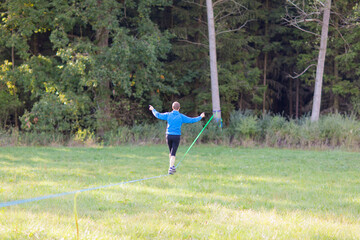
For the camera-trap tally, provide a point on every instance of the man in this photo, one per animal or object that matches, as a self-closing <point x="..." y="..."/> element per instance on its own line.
<point x="173" y="131"/>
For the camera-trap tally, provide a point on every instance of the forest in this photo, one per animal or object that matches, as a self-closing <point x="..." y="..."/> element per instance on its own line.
<point x="94" y="65"/>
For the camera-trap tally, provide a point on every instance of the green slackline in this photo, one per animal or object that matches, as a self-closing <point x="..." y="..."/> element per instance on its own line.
<point x="195" y="140"/>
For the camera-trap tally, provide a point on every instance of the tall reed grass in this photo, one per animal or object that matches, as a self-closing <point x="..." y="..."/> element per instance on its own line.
<point x="243" y="129"/>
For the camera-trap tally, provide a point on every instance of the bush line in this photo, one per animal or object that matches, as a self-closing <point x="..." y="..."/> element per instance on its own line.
<point x="243" y="129"/>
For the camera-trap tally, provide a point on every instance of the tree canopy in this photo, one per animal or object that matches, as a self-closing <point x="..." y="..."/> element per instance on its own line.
<point x="96" y="64"/>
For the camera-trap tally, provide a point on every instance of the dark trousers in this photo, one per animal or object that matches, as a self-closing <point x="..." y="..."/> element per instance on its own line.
<point x="173" y="142"/>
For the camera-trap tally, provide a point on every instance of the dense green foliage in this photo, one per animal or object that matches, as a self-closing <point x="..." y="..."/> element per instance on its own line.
<point x="94" y="65"/>
<point x="217" y="193"/>
<point x="244" y="129"/>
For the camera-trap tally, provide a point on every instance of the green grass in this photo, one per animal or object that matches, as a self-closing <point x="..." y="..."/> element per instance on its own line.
<point x="217" y="193"/>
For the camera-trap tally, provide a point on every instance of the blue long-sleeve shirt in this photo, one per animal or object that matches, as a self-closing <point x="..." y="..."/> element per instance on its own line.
<point x="175" y="119"/>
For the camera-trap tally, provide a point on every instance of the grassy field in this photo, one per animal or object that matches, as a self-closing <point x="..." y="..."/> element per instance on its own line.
<point x="217" y="193"/>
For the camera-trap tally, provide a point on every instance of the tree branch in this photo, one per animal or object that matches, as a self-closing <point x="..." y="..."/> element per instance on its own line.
<point x="238" y="4"/>
<point x="224" y="16"/>
<point x="321" y="3"/>
<point x="237" y="29"/>
<point x="293" y="22"/>
<point x="298" y="27"/>
<point x="296" y="6"/>
<point x="199" y="20"/>
<point x="347" y="45"/>
<point x="302" y="18"/>
<point x="218" y="2"/>
<point x="195" y="43"/>
<point x="294" y="77"/>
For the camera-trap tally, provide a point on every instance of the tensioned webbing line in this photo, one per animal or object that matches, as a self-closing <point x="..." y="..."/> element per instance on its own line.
<point x="16" y="202"/>
<point x="195" y="140"/>
<point x="6" y="204"/>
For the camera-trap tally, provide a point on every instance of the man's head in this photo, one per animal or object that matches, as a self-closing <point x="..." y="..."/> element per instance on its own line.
<point x="176" y="106"/>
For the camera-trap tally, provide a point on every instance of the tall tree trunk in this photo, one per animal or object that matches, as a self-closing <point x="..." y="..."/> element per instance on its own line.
<point x="265" y="60"/>
<point x="13" y="57"/>
<point x="213" y="63"/>
<point x="102" y="38"/>
<point x="241" y="102"/>
<point x="297" y="97"/>
<point x="264" y="82"/>
<point x="35" y="44"/>
<point x="336" y="96"/>
<point x="197" y="39"/>
<point x="291" y="98"/>
<point x="321" y="62"/>
<point x="336" y="71"/>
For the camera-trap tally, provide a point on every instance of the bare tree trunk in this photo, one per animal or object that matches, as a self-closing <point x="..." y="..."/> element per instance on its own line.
<point x="336" y="73"/>
<point x="265" y="61"/>
<point x="336" y="96"/>
<point x="5" y="120"/>
<point x="321" y="62"/>
<point x="291" y="98"/>
<point x="102" y="37"/>
<point x="241" y="102"/>
<point x="13" y="57"/>
<point x="213" y="63"/>
<point x="264" y="83"/>
<point x="35" y="44"/>
<point x="297" y="97"/>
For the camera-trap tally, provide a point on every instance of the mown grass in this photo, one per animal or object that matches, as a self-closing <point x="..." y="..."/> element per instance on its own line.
<point x="218" y="193"/>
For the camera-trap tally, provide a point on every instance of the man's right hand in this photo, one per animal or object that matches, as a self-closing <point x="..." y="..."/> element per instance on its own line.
<point x="151" y="107"/>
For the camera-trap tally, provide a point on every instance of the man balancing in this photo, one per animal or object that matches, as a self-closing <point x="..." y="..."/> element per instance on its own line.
<point x="173" y="131"/>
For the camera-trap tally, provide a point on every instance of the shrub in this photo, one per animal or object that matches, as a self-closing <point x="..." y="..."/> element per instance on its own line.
<point x="190" y="132"/>
<point x="13" y="137"/>
<point x="85" y="136"/>
<point x="291" y="134"/>
<point x="55" y="113"/>
<point x="214" y="133"/>
<point x="49" y="115"/>
<point x="309" y="133"/>
<point x="119" y="136"/>
<point x="152" y="133"/>
<point x="243" y="125"/>
<point x="274" y="130"/>
<point x="337" y="130"/>
<point x="244" y="129"/>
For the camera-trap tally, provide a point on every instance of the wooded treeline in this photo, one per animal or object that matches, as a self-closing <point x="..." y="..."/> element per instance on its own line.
<point x="68" y="65"/>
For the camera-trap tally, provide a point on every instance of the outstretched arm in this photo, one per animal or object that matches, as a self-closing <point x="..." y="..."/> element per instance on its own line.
<point x="187" y="119"/>
<point x="162" y="116"/>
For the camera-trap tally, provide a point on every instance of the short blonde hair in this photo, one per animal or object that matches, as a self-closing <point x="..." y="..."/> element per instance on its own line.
<point x="176" y="105"/>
